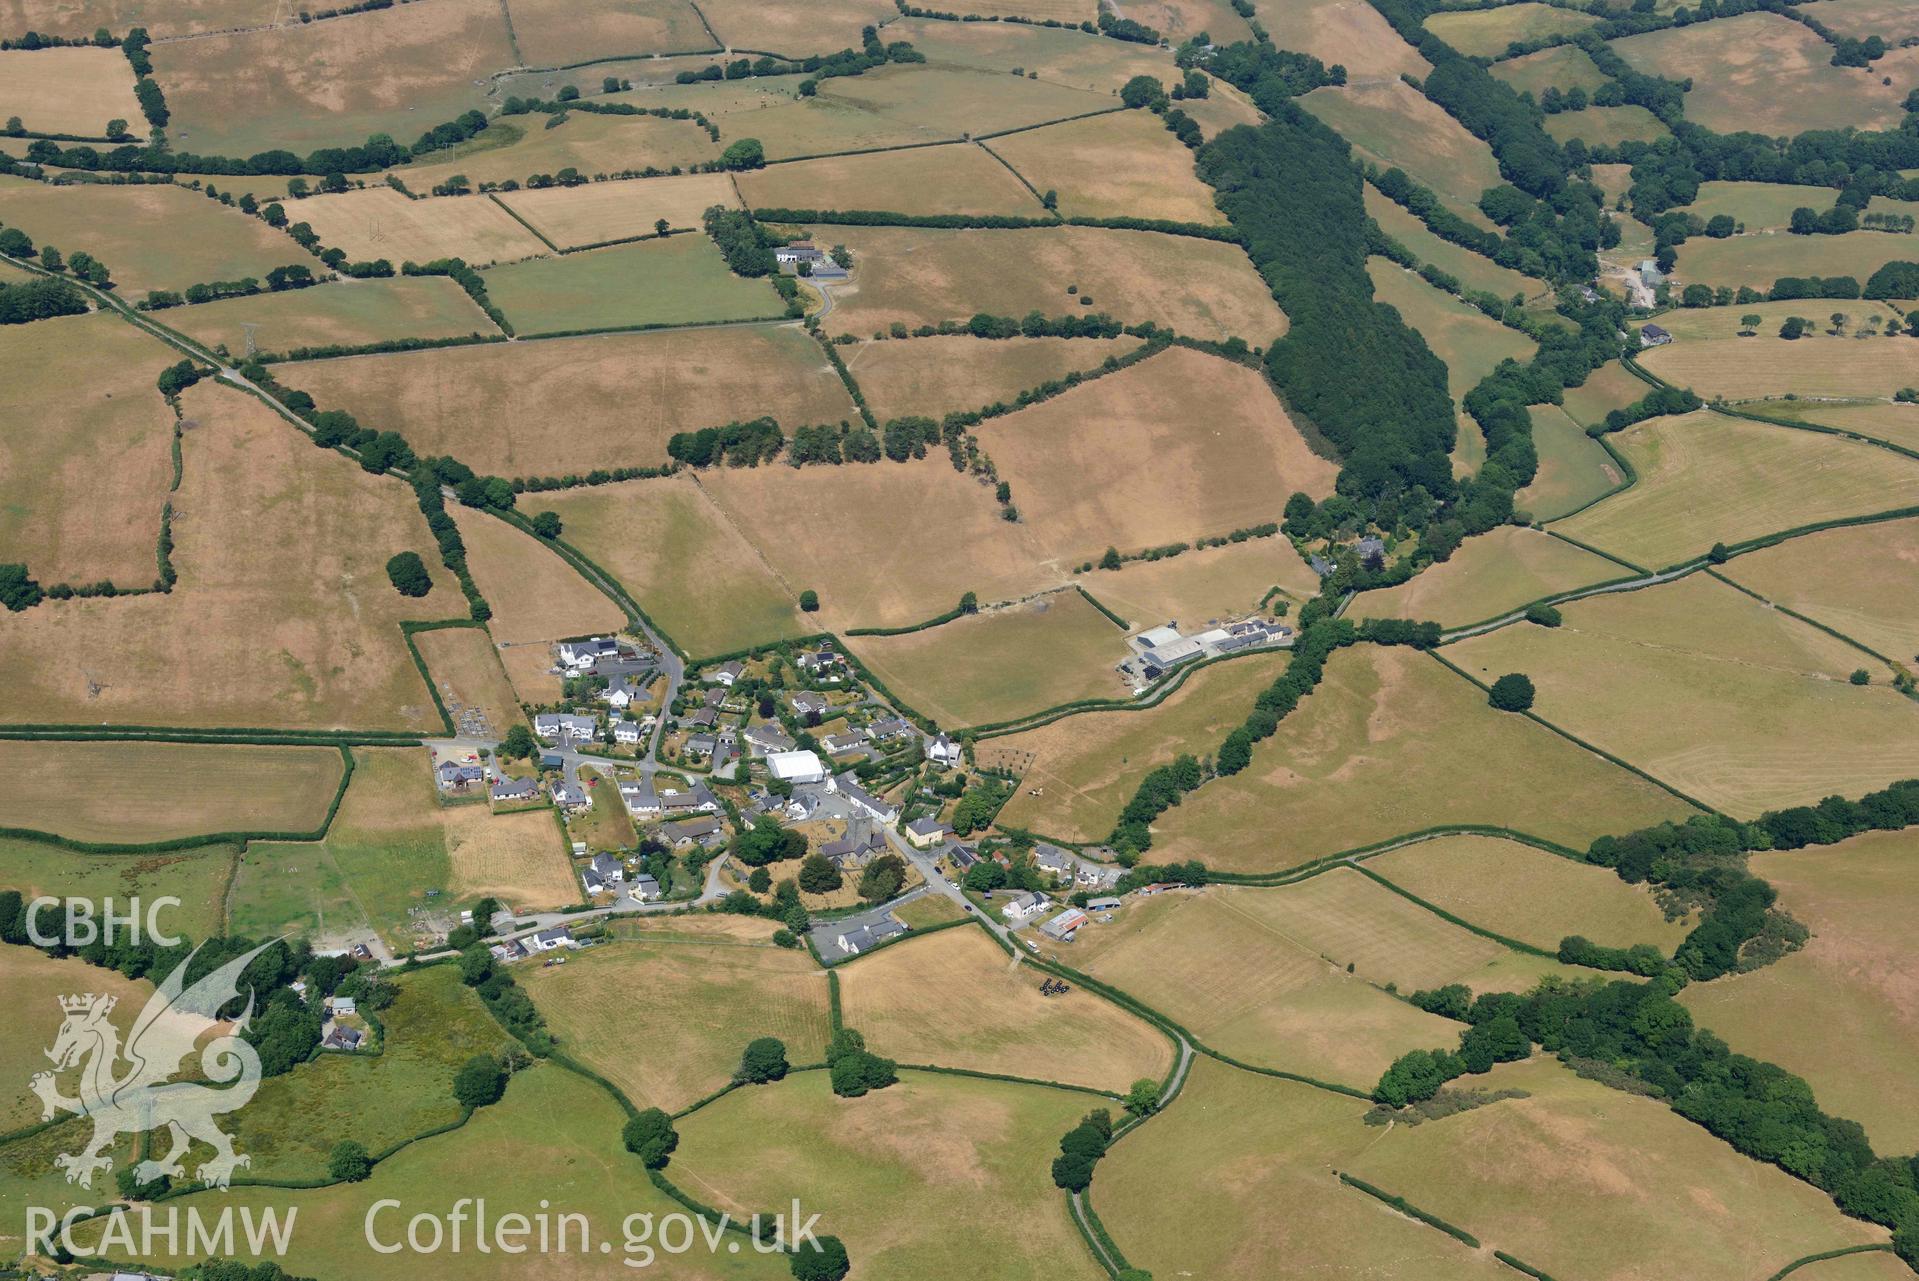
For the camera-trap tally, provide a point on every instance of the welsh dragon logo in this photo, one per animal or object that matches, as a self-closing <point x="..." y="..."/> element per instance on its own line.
<point x="141" y="1097"/>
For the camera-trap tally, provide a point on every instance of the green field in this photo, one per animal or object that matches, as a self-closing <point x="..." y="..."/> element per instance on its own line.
<point x="1354" y="765"/>
<point x="1609" y="387"/>
<point x="1760" y="259"/>
<point x="1606" y="126"/>
<point x="197" y="877"/>
<point x="35" y="982"/>
<point x="1574" y="469"/>
<point x="1874" y="420"/>
<point x="1485" y="33"/>
<point x="922" y="1179"/>
<point x="1492" y="574"/>
<point x="1759" y="206"/>
<point x="1705" y="478"/>
<point x="1474" y="271"/>
<point x="347" y="314"/>
<point x="1712" y="692"/>
<point x="678" y="281"/>
<point x="1561" y="67"/>
<point x="1393" y="124"/>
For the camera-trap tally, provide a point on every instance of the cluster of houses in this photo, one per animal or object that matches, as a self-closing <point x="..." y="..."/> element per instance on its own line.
<point x="804" y="258"/>
<point x="609" y="874"/>
<point x="335" y="1035"/>
<point x="1159" y="650"/>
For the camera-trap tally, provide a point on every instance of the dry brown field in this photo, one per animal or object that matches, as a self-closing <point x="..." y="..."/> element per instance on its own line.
<point x="1862" y="581"/>
<point x="1889" y="19"/>
<point x="1560" y="67"/>
<point x="1485" y="33"/>
<point x="516" y="858"/>
<point x="150" y="237"/>
<point x="1060" y="57"/>
<point x="535" y="595"/>
<point x="1609" y="387"/>
<point x="312" y="85"/>
<point x="1850" y="986"/>
<point x="379" y="222"/>
<point x="1180" y="20"/>
<point x="1391" y="123"/>
<point x="346" y="314"/>
<point x="952" y="102"/>
<point x="916" y="276"/>
<point x="558" y="406"/>
<point x="283" y="615"/>
<point x="556" y="33"/>
<point x="1037" y="10"/>
<point x="1180" y="446"/>
<point x="84" y="17"/>
<point x="954" y="999"/>
<point x="941" y="375"/>
<point x="573" y="216"/>
<point x="1347" y="33"/>
<point x="685" y="1012"/>
<point x="1706" y="478"/>
<point x="517" y="149"/>
<point x="68" y="90"/>
<point x="1712" y="692"/>
<point x="136" y="792"/>
<point x="1767" y="365"/>
<point x="1491" y="574"/>
<point x="1355" y="764"/>
<point x="81" y="496"/>
<point x="466" y="670"/>
<point x="1124" y="164"/>
<point x="1528" y="894"/>
<point x="771" y="109"/>
<point x="1084" y="768"/>
<point x="1606" y="126"/>
<point x="955" y="179"/>
<point x="1204" y="585"/>
<point x="794" y="26"/>
<point x="1221" y="109"/>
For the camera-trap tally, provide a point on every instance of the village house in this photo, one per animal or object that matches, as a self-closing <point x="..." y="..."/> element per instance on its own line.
<point x="872" y="806"/>
<point x="865" y="938"/>
<point x="641" y="800"/>
<point x="767" y="737"/>
<point x="700" y="745"/>
<point x="342" y="1005"/>
<point x="630" y="732"/>
<point x="622" y="692"/>
<point x="580" y="656"/>
<point x="645" y="889"/>
<point x="548" y="940"/>
<point x="454" y="777"/>
<point x="840" y="744"/>
<point x="343" y="1038"/>
<point x="806" y="703"/>
<point x="604" y="873"/>
<point x="562" y="727"/>
<point x="702" y="830"/>
<point x="822" y="665"/>
<point x="927" y="832"/>
<point x="698" y="800"/>
<point x="506" y="788"/>
<point x="855" y="849"/>
<point x="700" y="718"/>
<point x="1653" y="336"/>
<point x="943" y="751"/>
<point x="1051" y="858"/>
<point x="959" y="857"/>
<point x="1064" y="926"/>
<point x="570" y="796"/>
<point x="889" y="727"/>
<point x="726" y="673"/>
<point x="1022" y="908"/>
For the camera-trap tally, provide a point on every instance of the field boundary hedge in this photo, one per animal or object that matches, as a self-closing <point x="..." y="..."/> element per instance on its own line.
<point x="411" y="629"/>
<point x="1407" y="1208"/>
<point x="1311" y="868"/>
<point x="195" y="842"/>
<point x="1046" y="716"/>
<point x="1790" y="612"/>
<point x="1809" y="1260"/>
<point x="1501" y="939"/>
<point x="1111" y="617"/>
<point x="1225" y="234"/>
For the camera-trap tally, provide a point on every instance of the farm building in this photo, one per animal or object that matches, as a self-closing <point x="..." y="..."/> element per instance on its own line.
<point x="1653" y="336"/>
<point x="796" y="767"/>
<point x="1064" y="926"/>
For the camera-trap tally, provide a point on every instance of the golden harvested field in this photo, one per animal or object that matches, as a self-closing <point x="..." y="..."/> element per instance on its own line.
<point x="283" y="614"/>
<point x="600" y="211"/>
<point x="1711" y="691"/>
<point x="1487" y="1171"/>
<point x="379" y="222"/>
<point x="1760" y="206"/>
<point x="771" y="109"/>
<point x="1250" y="991"/>
<point x="197" y="877"/>
<point x="1490" y="575"/>
<point x="912" y="538"/>
<point x="1392" y="124"/>
<point x="686" y="1011"/>
<point x="943" y="374"/>
<point x="676" y="553"/>
<point x="956" y="179"/>
<point x="1208" y="584"/>
<point x="1529" y="894"/>
<point x="1124" y="164"/>
<point x="517" y="149"/>
<point x="516" y="858"/>
<point x="311" y="85"/>
<point x="1059" y="57"/>
<point x="1862" y="581"/>
<point x="1760" y="259"/>
<point x="954" y="999"/>
<point x="1037" y="10"/>
<point x="72" y="91"/>
<point x="915" y="276"/>
<point x="1817" y="365"/>
<point x="535" y="595"/>
<point x="134" y="792"/>
<point x="1347" y="33"/>
<point x="68" y="18"/>
<point x="1355" y="764"/>
<point x="1178" y="447"/>
<point x="1085" y="767"/>
<point x="794" y="26"/>
<point x="1605" y="126"/>
<point x="81" y="501"/>
<point x="930" y="1177"/>
<point x="556" y="33"/>
<point x="346" y="314"/>
<point x="1004" y="663"/>
<point x="1485" y="33"/>
<point x="1197" y="1190"/>
<point x="150" y="237"/>
<point x="1770" y="75"/>
<point x="949" y="102"/>
<point x="1180" y="20"/>
<point x="35" y="984"/>
<point x="1849" y="986"/>
<point x="554" y="407"/>
<point x="466" y="670"/>
<point x="1876" y="420"/>
<point x="1561" y="67"/>
<point x="1705" y="478"/>
<point x="1474" y="271"/>
<point x="1574" y="469"/>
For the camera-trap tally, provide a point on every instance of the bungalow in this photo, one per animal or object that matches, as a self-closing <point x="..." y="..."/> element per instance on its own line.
<point x="1653" y="336"/>
<point x="701" y="745"/>
<point x="458" y="778"/>
<point x="704" y="718"/>
<point x="343" y="1038"/>
<point x="1022" y="908"/>
<point x="767" y="738"/>
<point x="547" y="940"/>
<point x="340" y="1005"/>
<point x="865" y="938"/>
<point x="840" y="744"/>
<point x="693" y="829"/>
<point x="713" y="697"/>
<point x="726" y="673"/>
<point x="927" y="832"/>
<point x="697" y="801"/>
<point x="872" y="806"/>
<point x="557" y="727"/>
<point x="641" y="800"/>
<point x="889" y="727"/>
<point x="570" y="796"/>
<point x="625" y="731"/>
<point x="1104" y="875"/>
<point x="796" y="767"/>
<point x="797" y="252"/>
<point x="822" y="664"/>
<point x="1064" y="926"/>
<point x="806" y="703"/>
<point x="646" y="889"/>
<point x="515" y="789"/>
<point x="943" y="751"/>
<point x="581" y="655"/>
